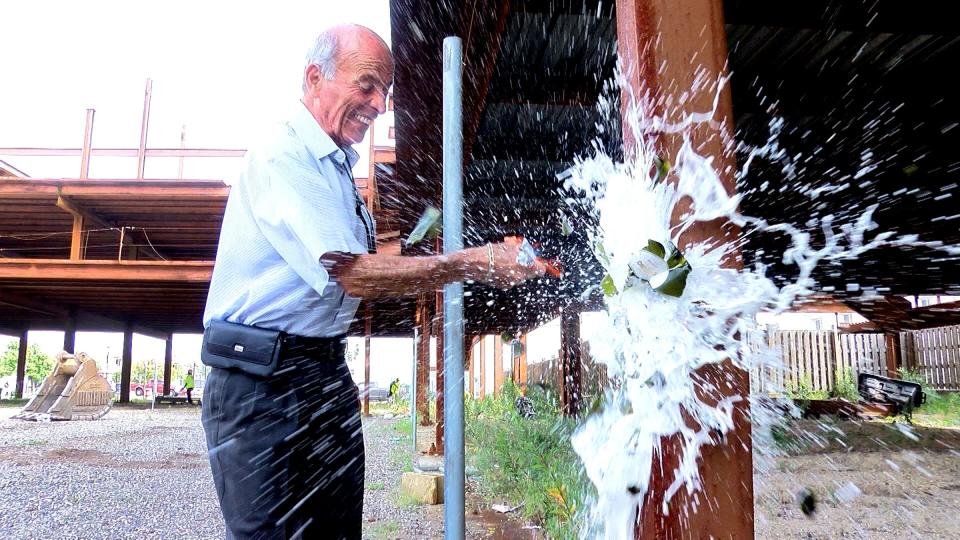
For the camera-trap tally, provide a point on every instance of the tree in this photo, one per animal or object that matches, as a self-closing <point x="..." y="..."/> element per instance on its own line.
<point x="39" y="365"/>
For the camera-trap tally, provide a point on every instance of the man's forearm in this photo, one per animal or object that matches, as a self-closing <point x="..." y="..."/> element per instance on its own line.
<point x="376" y="276"/>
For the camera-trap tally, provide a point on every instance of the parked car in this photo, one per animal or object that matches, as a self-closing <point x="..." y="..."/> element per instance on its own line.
<point x="377" y="392"/>
<point x="148" y="389"/>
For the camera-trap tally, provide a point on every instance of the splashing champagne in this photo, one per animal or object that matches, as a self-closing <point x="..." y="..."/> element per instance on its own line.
<point x="668" y="314"/>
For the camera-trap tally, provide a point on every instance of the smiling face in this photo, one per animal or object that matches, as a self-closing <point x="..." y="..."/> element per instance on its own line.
<point x="346" y="105"/>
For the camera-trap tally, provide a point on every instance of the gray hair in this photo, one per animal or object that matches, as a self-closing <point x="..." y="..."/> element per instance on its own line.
<point x="323" y="54"/>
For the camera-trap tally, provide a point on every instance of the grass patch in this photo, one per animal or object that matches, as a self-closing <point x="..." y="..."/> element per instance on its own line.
<point x="382" y="529"/>
<point x="35" y="442"/>
<point x="13" y="402"/>
<point x="528" y="460"/>
<point x="405" y="500"/>
<point x="375" y="486"/>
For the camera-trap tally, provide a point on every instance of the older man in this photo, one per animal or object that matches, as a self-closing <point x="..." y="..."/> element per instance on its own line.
<point x="296" y="255"/>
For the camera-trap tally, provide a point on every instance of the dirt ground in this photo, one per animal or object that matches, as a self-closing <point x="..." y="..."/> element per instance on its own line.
<point x="870" y="480"/>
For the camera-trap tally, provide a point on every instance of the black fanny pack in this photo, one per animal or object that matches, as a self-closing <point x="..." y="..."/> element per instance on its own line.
<point x="253" y="350"/>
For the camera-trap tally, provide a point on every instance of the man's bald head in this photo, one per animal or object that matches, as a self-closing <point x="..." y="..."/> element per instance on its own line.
<point x="346" y="80"/>
<point x="335" y="39"/>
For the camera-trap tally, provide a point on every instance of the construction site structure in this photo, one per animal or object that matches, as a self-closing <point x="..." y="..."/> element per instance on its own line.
<point x="74" y="390"/>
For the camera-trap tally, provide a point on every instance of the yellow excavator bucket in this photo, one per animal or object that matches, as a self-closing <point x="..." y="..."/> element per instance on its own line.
<point x="73" y="391"/>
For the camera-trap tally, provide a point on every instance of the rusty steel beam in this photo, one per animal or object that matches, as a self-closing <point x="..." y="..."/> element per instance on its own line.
<point x="665" y="44"/>
<point x="114" y="189"/>
<point x="423" y="360"/>
<point x="76" y="239"/>
<point x="497" y="364"/>
<point x="124" y="152"/>
<point x="86" y="217"/>
<point x="481" y="74"/>
<point x="136" y="271"/>
<point x="438" y="331"/>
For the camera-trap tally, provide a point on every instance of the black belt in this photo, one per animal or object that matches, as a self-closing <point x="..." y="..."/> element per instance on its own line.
<point x="260" y="351"/>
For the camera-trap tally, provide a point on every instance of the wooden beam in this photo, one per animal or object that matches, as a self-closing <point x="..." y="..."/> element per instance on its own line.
<point x="21" y="365"/>
<point x="56" y="269"/>
<point x="666" y="45"/>
<point x="167" y="363"/>
<point x="126" y="364"/>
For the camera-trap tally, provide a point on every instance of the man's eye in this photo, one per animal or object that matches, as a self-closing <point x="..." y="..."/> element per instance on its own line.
<point x="366" y="87"/>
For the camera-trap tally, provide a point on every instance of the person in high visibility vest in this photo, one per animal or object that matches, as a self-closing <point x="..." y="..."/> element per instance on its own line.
<point x="188" y="386"/>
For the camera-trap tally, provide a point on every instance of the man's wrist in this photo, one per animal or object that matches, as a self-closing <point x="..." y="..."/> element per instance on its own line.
<point x="466" y="264"/>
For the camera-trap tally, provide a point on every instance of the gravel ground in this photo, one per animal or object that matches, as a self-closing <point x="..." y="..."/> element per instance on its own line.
<point x="131" y="474"/>
<point x="141" y="474"/>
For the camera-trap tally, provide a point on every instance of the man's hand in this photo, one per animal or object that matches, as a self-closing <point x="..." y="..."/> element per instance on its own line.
<point x="501" y="266"/>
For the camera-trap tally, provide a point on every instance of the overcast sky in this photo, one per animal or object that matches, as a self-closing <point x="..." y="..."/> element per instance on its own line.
<point x="222" y="68"/>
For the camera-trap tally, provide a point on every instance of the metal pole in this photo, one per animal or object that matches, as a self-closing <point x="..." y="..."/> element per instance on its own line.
<point x="453" y="484"/>
<point x="87" y="142"/>
<point x="144" y="125"/>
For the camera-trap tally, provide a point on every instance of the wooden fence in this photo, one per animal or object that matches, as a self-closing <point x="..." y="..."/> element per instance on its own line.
<point x="935" y="353"/>
<point x="816" y="357"/>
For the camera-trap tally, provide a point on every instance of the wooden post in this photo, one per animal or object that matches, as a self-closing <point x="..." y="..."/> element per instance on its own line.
<point x="570" y="361"/>
<point x="21" y="365"/>
<point x="70" y="333"/>
<point x="666" y="45"/>
<point x="367" y="330"/>
<point x="126" y="363"/>
<point x="497" y="363"/>
<point x="167" y="363"/>
<point x="423" y="360"/>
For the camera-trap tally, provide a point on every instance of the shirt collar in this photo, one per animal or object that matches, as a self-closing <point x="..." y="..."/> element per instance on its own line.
<point x="318" y="142"/>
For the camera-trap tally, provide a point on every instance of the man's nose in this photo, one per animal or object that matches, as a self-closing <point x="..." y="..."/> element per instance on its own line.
<point x="379" y="102"/>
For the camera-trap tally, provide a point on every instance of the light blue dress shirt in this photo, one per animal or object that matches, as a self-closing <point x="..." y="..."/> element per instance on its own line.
<point x="294" y="201"/>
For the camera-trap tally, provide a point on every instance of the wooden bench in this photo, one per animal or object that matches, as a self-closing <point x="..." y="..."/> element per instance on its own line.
<point x="174" y="400"/>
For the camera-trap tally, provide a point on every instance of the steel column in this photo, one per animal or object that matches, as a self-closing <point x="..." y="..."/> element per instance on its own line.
<point x="126" y="363"/>
<point x="21" y="365"/>
<point x="453" y="485"/>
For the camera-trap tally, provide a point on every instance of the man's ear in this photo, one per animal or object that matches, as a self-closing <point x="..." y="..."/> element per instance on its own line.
<point x="312" y="76"/>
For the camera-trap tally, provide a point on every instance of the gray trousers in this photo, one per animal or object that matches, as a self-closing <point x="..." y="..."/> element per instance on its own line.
<point x="287" y="451"/>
